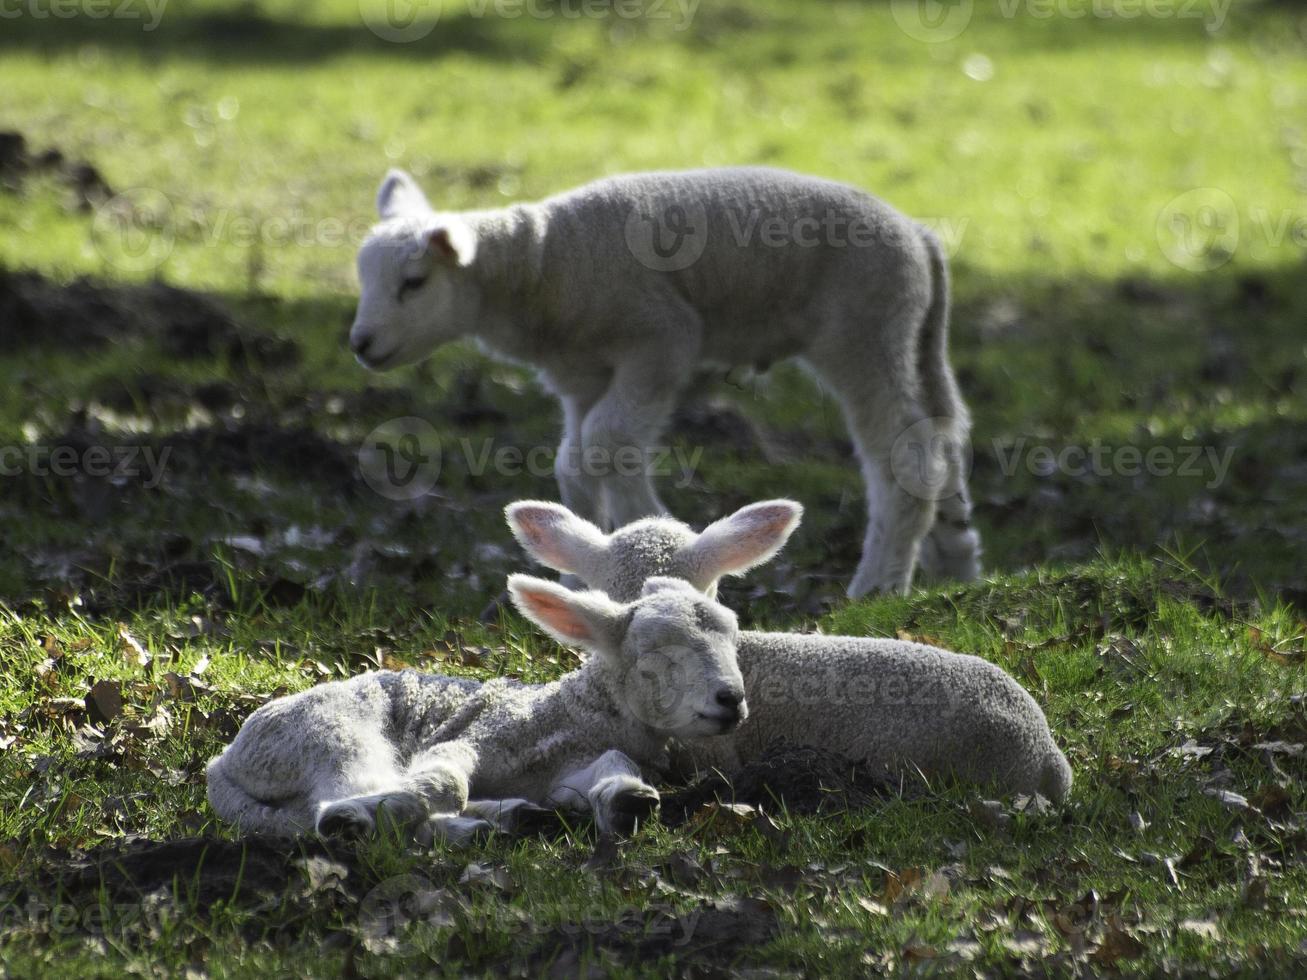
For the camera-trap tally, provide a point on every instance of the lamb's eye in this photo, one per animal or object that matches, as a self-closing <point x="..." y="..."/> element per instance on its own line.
<point x="411" y="284"/>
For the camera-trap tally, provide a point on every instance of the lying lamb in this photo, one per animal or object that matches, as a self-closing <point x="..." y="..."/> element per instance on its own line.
<point x="887" y="703"/>
<point x="617" y="290"/>
<point x="414" y="746"/>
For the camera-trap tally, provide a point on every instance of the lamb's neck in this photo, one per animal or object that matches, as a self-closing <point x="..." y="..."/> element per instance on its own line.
<point x="592" y="696"/>
<point x="509" y="270"/>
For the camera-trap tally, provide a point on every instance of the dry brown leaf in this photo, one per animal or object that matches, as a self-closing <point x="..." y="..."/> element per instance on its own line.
<point x="104" y="702"/>
<point x="1270" y="649"/>
<point x="134" y="654"/>
<point x="1117" y="944"/>
<point x="899" y="885"/>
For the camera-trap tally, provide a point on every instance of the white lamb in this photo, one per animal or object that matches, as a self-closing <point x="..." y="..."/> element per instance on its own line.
<point x="887" y="703"/>
<point x="414" y="746"/>
<point x="617" y="290"/>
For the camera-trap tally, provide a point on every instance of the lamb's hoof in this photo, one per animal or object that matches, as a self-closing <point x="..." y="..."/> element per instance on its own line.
<point x="454" y="831"/>
<point x="630" y="809"/>
<point x="344" y="824"/>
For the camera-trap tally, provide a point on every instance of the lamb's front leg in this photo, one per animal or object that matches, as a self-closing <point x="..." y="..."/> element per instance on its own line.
<point x="441" y="776"/>
<point x="577" y="487"/>
<point x="612" y="789"/>
<point x="620" y="433"/>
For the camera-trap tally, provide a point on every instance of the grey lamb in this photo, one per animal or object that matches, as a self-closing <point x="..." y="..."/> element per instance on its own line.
<point x="890" y="704"/>
<point x="413" y="747"/>
<point x="618" y="290"/>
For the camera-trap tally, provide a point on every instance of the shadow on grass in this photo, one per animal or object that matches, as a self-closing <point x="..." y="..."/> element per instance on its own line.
<point x="1193" y="387"/>
<point x="247" y="35"/>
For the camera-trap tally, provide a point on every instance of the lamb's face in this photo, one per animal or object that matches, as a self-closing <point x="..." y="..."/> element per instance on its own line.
<point x="412" y="298"/>
<point x="416" y="288"/>
<point x="678" y="666"/>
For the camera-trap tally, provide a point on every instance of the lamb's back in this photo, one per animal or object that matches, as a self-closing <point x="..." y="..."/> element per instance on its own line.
<point x="887" y="702"/>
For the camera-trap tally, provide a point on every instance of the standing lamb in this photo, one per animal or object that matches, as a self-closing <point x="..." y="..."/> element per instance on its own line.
<point x="415" y="746"/>
<point x="617" y="290"/>
<point x="888" y="703"/>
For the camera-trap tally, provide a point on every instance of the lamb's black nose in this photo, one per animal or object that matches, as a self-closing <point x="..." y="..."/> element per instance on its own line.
<point x="730" y="699"/>
<point x="360" y="345"/>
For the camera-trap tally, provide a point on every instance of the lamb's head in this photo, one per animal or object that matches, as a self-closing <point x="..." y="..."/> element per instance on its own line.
<point x="416" y="288"/>
<point x="620" y="563"/>
<point x="668" y="658"/>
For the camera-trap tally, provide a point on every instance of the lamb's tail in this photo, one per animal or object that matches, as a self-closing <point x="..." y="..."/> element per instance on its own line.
<point x="1055" y="781"/>
<point x="939" y="386"/>
<point x="234" y="804"/>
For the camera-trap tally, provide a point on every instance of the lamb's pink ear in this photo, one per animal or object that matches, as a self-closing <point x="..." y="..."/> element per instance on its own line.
<point x="453" y="242"/>
<point x="587" y="619"/>
<point x="749" y="537"/>
<point x="555" y="537"/>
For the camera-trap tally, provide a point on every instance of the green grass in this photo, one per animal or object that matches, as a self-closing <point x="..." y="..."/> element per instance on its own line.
<point x="1143" y="611"/>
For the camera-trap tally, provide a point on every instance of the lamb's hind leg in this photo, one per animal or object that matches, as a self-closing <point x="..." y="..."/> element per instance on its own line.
<point x="951" y="551"/>
<point x="874" y="377"/>
<point x="952" y="548"/>
<point x="293" y="756"/>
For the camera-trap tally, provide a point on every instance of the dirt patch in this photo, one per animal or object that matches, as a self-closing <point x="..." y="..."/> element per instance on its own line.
<point x="704" y="940"/>
<point x="17" y="161"/>
<point x="802" y="780"/>
<point x="41" y="313"/>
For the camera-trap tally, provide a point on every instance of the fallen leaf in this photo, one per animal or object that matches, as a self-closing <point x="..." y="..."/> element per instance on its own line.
<point x="1287" y="658"/>
<point x="1117" y="944"/>
<point x="133" y="653"/>
<point x="1229" y="798"/>
<point x="104" y="702"/>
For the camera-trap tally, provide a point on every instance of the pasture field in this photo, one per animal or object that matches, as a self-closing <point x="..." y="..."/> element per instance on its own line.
<point x="187" y="530"/>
